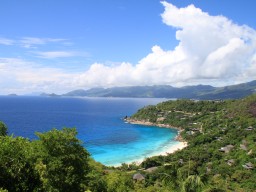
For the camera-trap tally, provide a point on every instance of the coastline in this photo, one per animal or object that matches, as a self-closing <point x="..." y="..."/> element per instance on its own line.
<point x="169" y="149"/>
<point x="147" y="123"/>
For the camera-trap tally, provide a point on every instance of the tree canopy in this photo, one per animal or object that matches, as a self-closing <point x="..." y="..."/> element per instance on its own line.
<point x="3" y="129"/>
<point x="220" y="155"/>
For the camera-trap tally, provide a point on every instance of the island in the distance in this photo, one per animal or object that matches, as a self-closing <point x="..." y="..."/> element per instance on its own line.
<point x="202" y="92"/>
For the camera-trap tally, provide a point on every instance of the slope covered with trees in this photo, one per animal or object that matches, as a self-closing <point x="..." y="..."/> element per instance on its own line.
<point x="221" y="148"/>
<point x="221" y="154"/>
<point x="55" y="162"/>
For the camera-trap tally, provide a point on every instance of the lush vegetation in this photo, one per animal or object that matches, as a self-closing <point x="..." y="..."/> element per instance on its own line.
<point x="55" y="162"/>
<point x="221" y="155"/>
<point x="221" y="137"/>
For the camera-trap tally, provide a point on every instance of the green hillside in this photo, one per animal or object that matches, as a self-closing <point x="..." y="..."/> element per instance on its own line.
<point x="221" y="137"/>
<point x="166" y="91"/>
<point x="221" y="154"/>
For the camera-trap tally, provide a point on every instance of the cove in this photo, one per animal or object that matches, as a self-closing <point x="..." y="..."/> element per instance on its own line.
<point x="99" y="122"/>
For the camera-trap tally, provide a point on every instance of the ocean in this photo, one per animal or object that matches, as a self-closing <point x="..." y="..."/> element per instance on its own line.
<point x="99" y="122"/>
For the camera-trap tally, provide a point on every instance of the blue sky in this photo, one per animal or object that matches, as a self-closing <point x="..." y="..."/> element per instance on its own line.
<point x="62" y="45"/>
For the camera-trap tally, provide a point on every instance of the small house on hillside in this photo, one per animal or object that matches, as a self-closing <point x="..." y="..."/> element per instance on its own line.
<point x="231" y="162"/>
<point x="243" y="147"/>
<point x="151" y="169"/>
<point x="248" y="166"/>
<point x="226" y="149"/>
<point x="249" y="128"/>
<point x="138" y="177"/>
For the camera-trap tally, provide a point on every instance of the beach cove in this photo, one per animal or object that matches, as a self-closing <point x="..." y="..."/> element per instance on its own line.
<point x="99" y="123"/>
<point x="168" y="149"/>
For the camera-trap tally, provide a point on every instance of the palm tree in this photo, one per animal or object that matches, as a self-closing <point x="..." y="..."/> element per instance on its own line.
<point x="193" y="183"/>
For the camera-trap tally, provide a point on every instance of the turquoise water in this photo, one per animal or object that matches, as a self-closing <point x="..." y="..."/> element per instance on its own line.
<point x="150" y="140"/>
<point x="99" y="123"/>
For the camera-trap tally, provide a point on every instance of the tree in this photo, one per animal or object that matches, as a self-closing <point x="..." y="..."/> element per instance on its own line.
<point x="16" y="165"/>
<point x="3" y="129"/>
<point x="192" y="184"/>
<point x="119" y="182"/>
<point x="62" y="162"/>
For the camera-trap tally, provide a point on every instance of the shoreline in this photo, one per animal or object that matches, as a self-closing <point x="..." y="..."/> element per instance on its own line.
<point x="168" y="149"/>
<point x="147" y="123"/>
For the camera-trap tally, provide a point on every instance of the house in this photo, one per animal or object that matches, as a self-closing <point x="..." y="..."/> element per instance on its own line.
<point x="218" y="138"/>
<point x="227" y="148"/>
<point x="107" y="171"/>
<point x="151" y="169"/>
<point x="230" y="162"/>
<point x="195" y="129"/>
<point x="249" y="128"/>
<point x="138" y="177"/>
<point x="243" y="147"/>
<point x="160" y="119"/>
<point x="181" y="161"/>
<point x="248" y="166"/>
<point x="190" y="132"/>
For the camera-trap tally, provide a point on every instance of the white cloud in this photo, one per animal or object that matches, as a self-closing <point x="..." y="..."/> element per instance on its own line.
<point x="211" y="49"/>
<point x="5" y="41"/>
<point x="31" y="42"/>
<point x="20" y="76"/>
<point x="101" y="75"/>
<point x="55" y="54"/>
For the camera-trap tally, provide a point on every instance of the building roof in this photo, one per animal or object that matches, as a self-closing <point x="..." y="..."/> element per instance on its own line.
<point x="151" y="169"/>
<point x="138" y="177"/>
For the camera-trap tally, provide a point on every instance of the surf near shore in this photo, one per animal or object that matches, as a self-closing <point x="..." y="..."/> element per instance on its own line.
<point x="168" y="149"/>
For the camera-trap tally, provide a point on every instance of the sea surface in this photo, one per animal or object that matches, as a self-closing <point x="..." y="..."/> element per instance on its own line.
<point x="99" y="122"/>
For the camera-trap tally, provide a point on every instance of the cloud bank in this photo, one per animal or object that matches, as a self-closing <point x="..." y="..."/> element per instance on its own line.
<point x="210" y="50"/>
<point x="19" y="76"/>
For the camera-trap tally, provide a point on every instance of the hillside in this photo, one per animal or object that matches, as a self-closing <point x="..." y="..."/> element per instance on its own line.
<point x="221" y="136"/>
<point x="166" y="91"/>
<point x="220" y="156"/>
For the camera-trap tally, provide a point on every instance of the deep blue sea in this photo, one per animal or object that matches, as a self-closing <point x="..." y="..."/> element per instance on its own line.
<point x="99" y="123"/>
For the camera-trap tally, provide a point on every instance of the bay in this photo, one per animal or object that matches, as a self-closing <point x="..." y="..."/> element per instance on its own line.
<point x="99" y="122"/>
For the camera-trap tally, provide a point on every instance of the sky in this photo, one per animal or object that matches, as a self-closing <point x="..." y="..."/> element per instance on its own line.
<point x="63" y="45"/>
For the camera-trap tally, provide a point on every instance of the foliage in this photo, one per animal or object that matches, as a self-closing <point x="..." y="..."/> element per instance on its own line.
<point x="119" y="182"/>
<point x="55" y="162"/>
<point x="207" y="126"/>
<point x="193" y="183"/>
<point x="62" y="162"/>
<point x="3" y="129"/>
<point x="58" y="162"/>
<point x="16" y="165"/>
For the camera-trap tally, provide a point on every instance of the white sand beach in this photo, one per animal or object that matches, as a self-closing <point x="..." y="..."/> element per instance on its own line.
<point x="172" y="148"/>
<point x="164" y="152"/>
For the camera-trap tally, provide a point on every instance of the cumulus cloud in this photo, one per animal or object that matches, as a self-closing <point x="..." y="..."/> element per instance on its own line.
<point x="214" y="45"/>
<point x="211" y="49"/>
